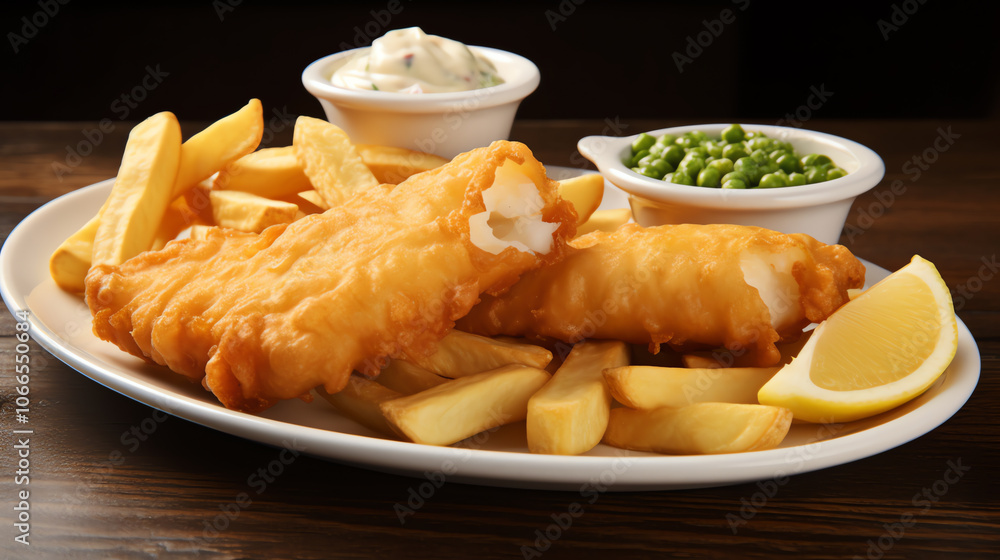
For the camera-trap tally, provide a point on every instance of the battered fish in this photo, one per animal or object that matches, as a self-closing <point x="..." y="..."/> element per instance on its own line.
<point x="260" y="318"/>
<point x="685" y="285"/>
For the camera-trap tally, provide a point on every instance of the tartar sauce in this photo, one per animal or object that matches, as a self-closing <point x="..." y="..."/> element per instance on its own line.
<point x="411" y="61"/>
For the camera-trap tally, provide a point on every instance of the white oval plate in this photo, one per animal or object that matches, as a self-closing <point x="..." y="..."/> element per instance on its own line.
<point x="60" y="322"/>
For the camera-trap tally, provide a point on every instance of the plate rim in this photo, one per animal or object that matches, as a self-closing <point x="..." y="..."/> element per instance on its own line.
<point x="492" y="467"/>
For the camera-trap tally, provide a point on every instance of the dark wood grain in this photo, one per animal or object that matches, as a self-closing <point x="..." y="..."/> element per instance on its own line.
<point x="96" y="493"/>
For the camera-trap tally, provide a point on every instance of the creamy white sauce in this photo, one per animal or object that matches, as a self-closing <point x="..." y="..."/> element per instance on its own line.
<point x="410" y="61"/>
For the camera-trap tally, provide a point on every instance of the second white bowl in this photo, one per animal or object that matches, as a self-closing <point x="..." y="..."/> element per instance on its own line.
<point x="445" y="124"/>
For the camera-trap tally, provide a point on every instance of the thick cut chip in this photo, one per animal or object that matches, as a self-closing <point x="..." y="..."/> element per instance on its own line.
<point x="219" y="145"/>
<point x="569" y="414"/>
<point x="394" y="165"/>
<point x="359" y="400"/>
<point x="330" y="160"/>
<point x="654" y="387"/>
<point x="407" y="378"/>
<point x="605" y="220"/>
<point x="142" y="191"/>
<point x="70" y="262"/>
<point x="464" y="407"/>
<point x="459" y="354"/>
<point x="699" y="428"/>
<point x="268" y="172"/>
<point x="585" y="192"/>
<point x="249" y="212"/>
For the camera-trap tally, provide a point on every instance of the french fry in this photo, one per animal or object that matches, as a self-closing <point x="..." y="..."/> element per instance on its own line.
<point x="314" y="198"/>
<point x="218" y="145"/>
<point x="70" y="262"/>
<point x="464" y="407"/>
<point x="394" y="165"/>
<point x="359" y="400"/>
<point x="460" y="353"/>
<point x="249" y="212"/>
<point x="305" y="205"/>
<point x="330" y="160"/>
<point x="699" y="428"/>
<point x="650" y="387"/>
<point x="604" y="220"/>
<point x="585" y="192"/>
<point x="200" y="232"/>
<point x="407" y="378"/>
<point x="142" y="191"/>
<point x="268" y="172"/>
<point x="180" y="215"/>
<point x="569" y="414"/>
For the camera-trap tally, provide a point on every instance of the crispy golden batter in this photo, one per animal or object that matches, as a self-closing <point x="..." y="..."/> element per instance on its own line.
<point x="737" y="286"/>
<point x="267" y="317"/>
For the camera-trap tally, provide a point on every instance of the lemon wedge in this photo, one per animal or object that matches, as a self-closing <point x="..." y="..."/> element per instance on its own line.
<point x="881" y="349"/>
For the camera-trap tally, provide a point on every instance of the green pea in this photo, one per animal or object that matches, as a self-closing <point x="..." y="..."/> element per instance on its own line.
<point x="657" y="149"/>
<point x="638" y="156"/>
<point x="714" y="148"/>
<point x="681" y="178"/>
<point x="759" y="156"/>
<point x="835" y="173"/>
<point x="699" y="136"/>
<point x="815" y="175"/>
<point x="733" y="133"/>
<point x="646" y="160"/>
<point x="666" y="139"/>
<point x="709" y="177"/>
<point x="788" y="163"/>
<point x="687" y="141"/>
<point x="698" y="150"/>
<point x="772" y="180"/>
<point x="815" y="159"/>
<point x="643" y="142"/>
<point x="796" y="179"/>
<point x="748" y="167"/>
<point x="673" y="154"/>
<point x="692" y="166"/>
<point x="668" y="178"/>
<point x="650" y="171"/>
<point x="734" y="151"/>
<point x="724" y="165"/>
<point x="734" y="184"/>
<point x="735" y="176"/>
<point x="663" y="166"/>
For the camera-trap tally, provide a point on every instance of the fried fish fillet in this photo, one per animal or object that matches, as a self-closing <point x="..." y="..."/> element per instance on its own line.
<point x="259" y="318"/>
<point x="684" y="285"/>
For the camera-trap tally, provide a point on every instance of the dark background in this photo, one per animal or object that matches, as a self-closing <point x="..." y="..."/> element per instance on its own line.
<point x="598" y="59"/>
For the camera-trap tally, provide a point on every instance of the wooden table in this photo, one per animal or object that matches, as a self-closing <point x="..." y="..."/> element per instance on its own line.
<point x="97" y="492"/>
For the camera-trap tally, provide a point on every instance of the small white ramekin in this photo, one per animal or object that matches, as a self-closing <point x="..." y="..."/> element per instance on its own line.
<point x="445" y="124"/>
<point x="819" y="209"/>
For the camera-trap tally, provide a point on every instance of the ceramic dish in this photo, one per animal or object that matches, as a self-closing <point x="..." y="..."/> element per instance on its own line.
<point x="819" y="210"/>
<point x="60" y="322"/>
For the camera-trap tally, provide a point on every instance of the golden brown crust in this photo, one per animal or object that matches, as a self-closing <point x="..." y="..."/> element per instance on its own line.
<point x="679" y="285"/>
<point x="270" y="316"/>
